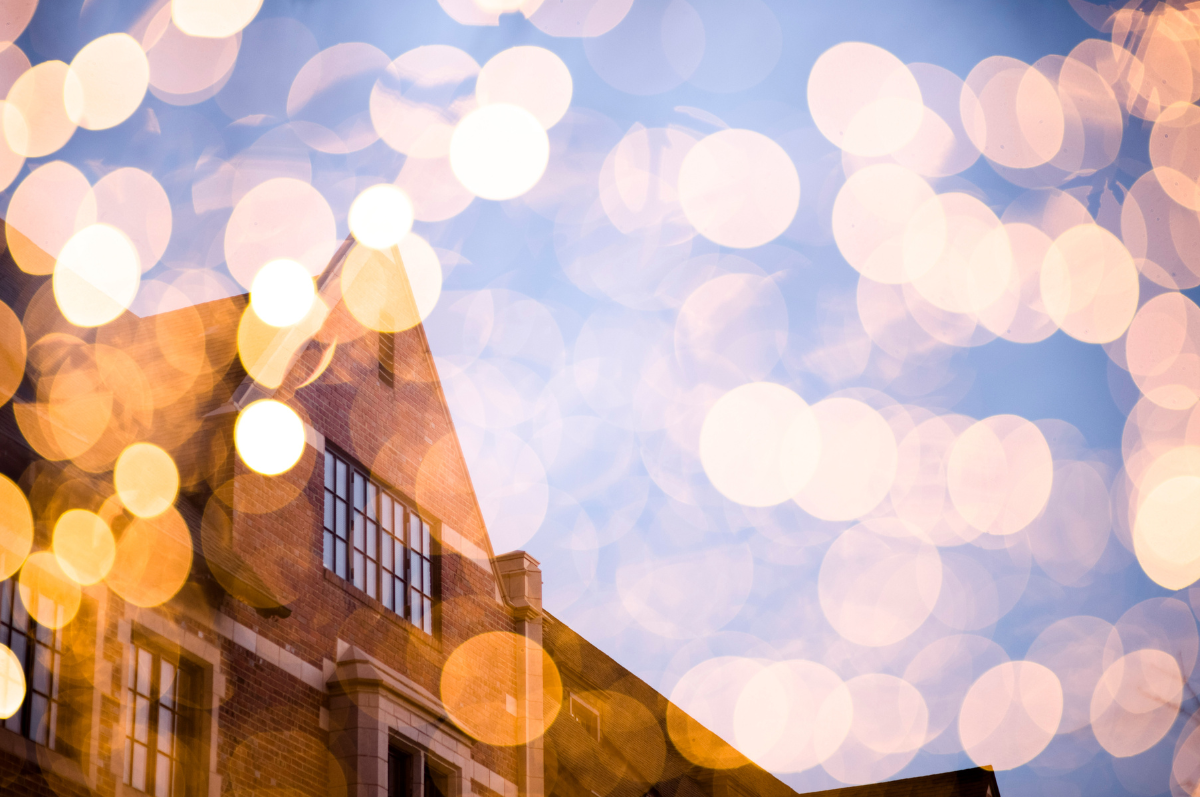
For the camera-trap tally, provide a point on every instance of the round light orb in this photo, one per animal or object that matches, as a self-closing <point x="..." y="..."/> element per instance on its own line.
<point x="12" y="682"/>
<point x="96" y="276"/>
<point x="282" y="292"/>
<point x="269" y="437"/>
<point x="213" y="19"/>
<point x="84" y="546"/>
<point x="499" y="151"/>
<point x="106" y="82"/>
<point x="146" y="479"/>
<point x="381" y="216"/>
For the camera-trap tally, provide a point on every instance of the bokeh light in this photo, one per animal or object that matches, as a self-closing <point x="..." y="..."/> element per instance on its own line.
<point x="269" y="436"/>
<point x="531" y="77"/>
<point x="389" y="295"/>
<point x="738" y="188"/>
<point x="1010" y="714"/>
<point x="83" y="545"/>
<point x="146" y="479"/>
<point x="282" y="293"/>
<point x="50" y="596"/>
<point x="12" y="682"/>
<point x="106" y="82"/>
<point x="381" y="216"/>
<point x="16" y="527"/>
<point x="153" y="559"/>
<point x="97" y="275"/>
<point x="864" y="99"/>
<point x="499" y="151"/>
<point x="213" y="19"/>
<point x="760" y="444"/>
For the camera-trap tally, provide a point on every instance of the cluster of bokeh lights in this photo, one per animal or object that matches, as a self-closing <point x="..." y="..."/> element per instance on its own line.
<point x="682" y="402"/>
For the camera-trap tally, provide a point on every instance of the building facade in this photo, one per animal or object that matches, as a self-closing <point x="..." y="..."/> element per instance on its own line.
<point x="342" y="628"/>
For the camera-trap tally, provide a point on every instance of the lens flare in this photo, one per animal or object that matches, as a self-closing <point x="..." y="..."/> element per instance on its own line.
<point x="146" y="479"/>
<point x="282" y="293"/>
<point x="499" y="151"/>
<point x="381" y="216"/>
<point x="269" y="436"/>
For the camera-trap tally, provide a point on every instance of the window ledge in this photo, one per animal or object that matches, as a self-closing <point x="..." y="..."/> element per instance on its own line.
<point x="42" y="758"/>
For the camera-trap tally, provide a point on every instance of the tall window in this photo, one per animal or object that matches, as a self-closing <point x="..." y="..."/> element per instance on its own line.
<point x="40" y="650"/>
<point x="157" y="691"/>
<point x="377" y="542"/>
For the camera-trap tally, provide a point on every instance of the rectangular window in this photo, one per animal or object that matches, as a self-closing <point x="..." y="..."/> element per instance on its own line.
<point x="387" y="358"/>
<point x="398" y="773"/>
<point x="586" y="716"/>
<point x="377" y="542"/>
<point x="40" y="651"/>
<point x="158" y="692"/>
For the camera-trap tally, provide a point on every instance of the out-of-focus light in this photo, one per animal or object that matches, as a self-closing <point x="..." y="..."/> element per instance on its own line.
<point x="739" y="188"/>
<point x="12" y="682"/>
<point x="857" y="463"/>
<point x="1136" y="701"/>
<point x="52" y="203"/>
<point x="390" y="296"/>
<point x="16" y="527"/>
<point x="1010" y="714"/>
<point x="269" y="436"/>
<point x="50" y="596"/>
<point x="760" y="444"/>
<point x="153" y="559"/>
<point x="282" y="293"/>
<point x="106" y="82"/>
<point x="381" y="216"/>
<point x="499" y="151"/>
<point x="96" y="276"/>
<point x="146" y="479"/>
<point x="40" y="124"/>
<point x="213" y="19"/>
<point x="864" y="99"/>
<point x="84" y="546"/>
<point x="531" y="77"/>
<point x="1090" y="284"/>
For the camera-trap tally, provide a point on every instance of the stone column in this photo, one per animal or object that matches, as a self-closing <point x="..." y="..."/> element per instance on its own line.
<point x="522" y="581"/>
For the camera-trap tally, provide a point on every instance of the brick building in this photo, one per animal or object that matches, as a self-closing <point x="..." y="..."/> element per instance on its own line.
<point x="341" y="628"/>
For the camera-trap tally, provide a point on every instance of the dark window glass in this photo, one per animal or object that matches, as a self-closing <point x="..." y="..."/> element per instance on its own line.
<point x="39" y="649"/>
<point x="157" y="691"/>
<point x="377" y="543"/>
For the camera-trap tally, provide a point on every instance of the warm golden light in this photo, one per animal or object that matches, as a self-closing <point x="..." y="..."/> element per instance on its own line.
<point x="39" y="124"/>
<point x="269" y="436"/>
<point x="12" y="682"/>
<point x="153" y="559"/>
<point x="1136" y="701"/>
<point x="146" y="479"/>
<point x="16" y="528"/>
<point x="1010" y="714"/>
<point x="390" y="296"/>
<point x="96" y="276"/>
<point x="49" y="595"/>
<point x="475" y="695"/>
<point x="282" y="292"/>
<point x="84" y="546"/>
<point x="381" y="216"/>
<point x="499" y="151"/>
<point x="1090" y="284"/>
<point x="106" y="82"/>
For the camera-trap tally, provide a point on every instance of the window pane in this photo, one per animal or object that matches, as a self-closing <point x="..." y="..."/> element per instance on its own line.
<point x="414" y="571"/>
<point x="329" y="471"/>
<point x="329" y="511"/>
<point x="372" y="535"/>
<point x="138" y="781"/>
<point x="385" y="511"/>
<point x="415" y="605"/>
<point x="162" y="777"/>
<point x="400" y="592"/>
<point x="358" y="570"/>
<point x="428" y="616"/>
<point x="371" y="580"/>
<point x="387" y="592"/>
<point x="340" y="563"/>
<point x="408" y="538"/>
<point x="37" y="720"/>
<point x="358" y="491"/>
<point x="340" y="528"/>
<point x="328" y="551"/>
<point x="358" y="531"/>
<point x="19" y="642"/>
<point x="371" y="499"/>
<point x="145" y="666"/>
<point x="425" y="549"/>
<point x="166" y="683"/>
<point x="166" y="730"/>
<point x="426" y="583"/>
<point x="386" y="559"/>
<point x="341" y="479"/>
<point x="141" y="720"/>
<point x="41" y="669"/>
